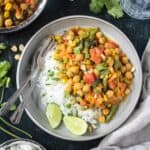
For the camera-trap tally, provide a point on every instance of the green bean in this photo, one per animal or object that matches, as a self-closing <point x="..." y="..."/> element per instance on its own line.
<point x="105" y="82"/>
<point x="112" y="113"/>
<point x="117" y="64"/>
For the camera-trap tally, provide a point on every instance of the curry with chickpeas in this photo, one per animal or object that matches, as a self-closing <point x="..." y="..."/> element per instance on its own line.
<point x="13" y="12"/>
<point x="97" y="73"/>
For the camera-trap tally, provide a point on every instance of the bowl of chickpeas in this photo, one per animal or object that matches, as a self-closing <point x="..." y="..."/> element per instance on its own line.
<point x="17" y="14"/>
<point x="99" y="66"/>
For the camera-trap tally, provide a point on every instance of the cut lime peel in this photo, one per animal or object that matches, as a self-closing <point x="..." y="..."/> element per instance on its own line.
<point x="75" y="125"/>
<point x="54" y="115"/>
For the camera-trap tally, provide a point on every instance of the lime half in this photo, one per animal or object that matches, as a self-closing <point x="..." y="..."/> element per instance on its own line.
<point x="54" y="115"/>
<point x="75" y="125"/>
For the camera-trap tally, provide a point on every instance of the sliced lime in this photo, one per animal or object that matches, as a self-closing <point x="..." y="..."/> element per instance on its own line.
<point x="54" y="115"/>
<point x="75" y="125"/>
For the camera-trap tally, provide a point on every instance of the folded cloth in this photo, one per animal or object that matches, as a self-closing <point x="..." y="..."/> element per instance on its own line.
<point x="135" y="133"/>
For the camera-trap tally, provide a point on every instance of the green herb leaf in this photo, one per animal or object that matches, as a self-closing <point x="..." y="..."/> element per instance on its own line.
<point x="92" y="32"/>
<point x="5" y="82"/>
<point x="67" y="94"/>
<point x="96" y="6"/>
<point x="95" y="84"/>
<point x="50" y="73"/>
<point x="102" y="68"/>
<point x="56" y="79"/>
<point x="114" y="8"/>
<point x="78" y="48"/>
<point x="4" y="68"/>
<point x="3" y="46"/>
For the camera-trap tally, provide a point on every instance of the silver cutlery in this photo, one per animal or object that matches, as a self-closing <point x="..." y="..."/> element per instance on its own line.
<point x="38" y="60"/>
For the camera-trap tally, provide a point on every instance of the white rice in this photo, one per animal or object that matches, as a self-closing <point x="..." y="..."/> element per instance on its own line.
<point x="53" y="92"/>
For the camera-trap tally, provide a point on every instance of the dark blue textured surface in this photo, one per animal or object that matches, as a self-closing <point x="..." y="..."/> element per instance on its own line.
<point x="137" y="31"/>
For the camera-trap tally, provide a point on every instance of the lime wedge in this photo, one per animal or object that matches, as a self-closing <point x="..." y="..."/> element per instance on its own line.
<point x="75" y="125"/>
<point x="54" y="115"/>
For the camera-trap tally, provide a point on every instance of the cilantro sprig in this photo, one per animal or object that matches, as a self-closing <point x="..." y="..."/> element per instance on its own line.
<point x="113" y="7"/>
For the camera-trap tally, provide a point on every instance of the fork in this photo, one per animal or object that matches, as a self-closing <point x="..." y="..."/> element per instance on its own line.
<point x="38" y="60"/>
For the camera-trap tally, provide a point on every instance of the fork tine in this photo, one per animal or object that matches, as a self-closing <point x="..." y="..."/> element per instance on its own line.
<point x="50" y="45"/>
<point x="45" y="45"/>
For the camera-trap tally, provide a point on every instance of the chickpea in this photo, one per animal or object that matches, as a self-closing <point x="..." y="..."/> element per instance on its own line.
<point x="107" y="52"/>
<point x="19" y="16"/>
<point x="110" y="61"/>
<point x="102" y="40"/>
<point x="17" y="57"/>
<point x="129" y="75"/>
<point x="69" y="73"/>
<point x="101" y="119"/>
<point x="106" y="111"/>
<point x="77" y="86"/>
<point x="128" y="66"/>
<point x="70" y="81"/>
<point x="74" y="69"/>
<point x="76" y="78"/>
<point x="125" y="60"/>
<point x="80" y="93"/>
<point x="8" y="22"/>
<point x="117" y="50"/>
<point x="79" y="57"/>
<point x="23" y="6"/>
<point x="99" y="34"/>
<point x="96" y="72"/>
<point x="6" y="14"/>
<point x="8" y="6"/>
<point x="110" y="93"/>
<point x="69" y="49"/>
<point x="127" y="91"/>
<point x="123" y="69"/>
<point x="69" y="88"/>
<point x="86" y="88"/>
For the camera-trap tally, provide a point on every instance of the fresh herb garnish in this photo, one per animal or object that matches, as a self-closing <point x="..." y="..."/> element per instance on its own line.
<point x="102" y="68"/>
<point x="95" y="84"/>
<point x="113" y="7"/>
<point x="78" y="48"/>
<point x="67" y="94"/>
<point x="50" y="73"/>
<point x="3" y="46"/>
<point x="55" y="78"/>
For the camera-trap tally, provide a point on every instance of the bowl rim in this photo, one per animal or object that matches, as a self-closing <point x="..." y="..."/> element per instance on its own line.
<point x="135" y="101"/>
<point x="26" y="22"/>
<point x="22" y="139"/>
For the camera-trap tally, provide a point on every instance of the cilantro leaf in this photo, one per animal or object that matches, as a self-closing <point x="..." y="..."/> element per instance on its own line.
<point x="4" y="68"/>
<point x="3" y="46"/>
<point x="114" y="8"/>
<point x="96" y="6"/>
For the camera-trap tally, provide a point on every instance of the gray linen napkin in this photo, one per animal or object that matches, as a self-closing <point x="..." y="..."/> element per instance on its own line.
<point x="135" y="133"/>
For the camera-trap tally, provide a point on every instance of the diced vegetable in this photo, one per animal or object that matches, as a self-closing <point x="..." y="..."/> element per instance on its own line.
<point x="112" y="112"/>
<point x="96" y="55"/>
<point x="89" y="78"/>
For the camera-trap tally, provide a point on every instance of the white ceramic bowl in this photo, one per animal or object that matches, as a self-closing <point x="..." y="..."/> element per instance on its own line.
<point x="34" y="110"/>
